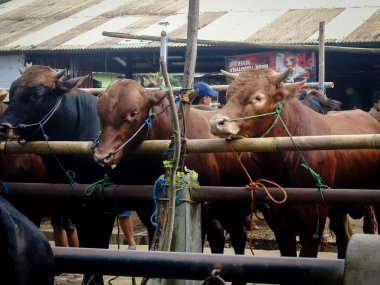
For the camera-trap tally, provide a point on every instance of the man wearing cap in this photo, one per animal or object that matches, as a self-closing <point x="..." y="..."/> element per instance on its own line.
<point x="205" y="94"/>
<point x="375" y="109"/>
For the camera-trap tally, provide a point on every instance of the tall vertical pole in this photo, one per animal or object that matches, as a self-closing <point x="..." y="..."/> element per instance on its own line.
<point x="191" y="45"/>
<point x="321" y="71"/>
<point x="164" y="49"/>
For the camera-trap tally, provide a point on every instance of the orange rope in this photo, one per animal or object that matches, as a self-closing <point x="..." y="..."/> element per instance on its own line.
<point x="258" y="184"/>
<point x="251" y="187"/>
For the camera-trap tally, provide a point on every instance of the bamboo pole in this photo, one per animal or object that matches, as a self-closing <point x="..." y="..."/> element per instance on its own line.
<point x="232" y="44"/>
<point x="321" y="53"/>
<point x="97" y="91"/>
<point x="172" y="172"/>
<point x="367" y="141"/>
<point x="191" y="44"/>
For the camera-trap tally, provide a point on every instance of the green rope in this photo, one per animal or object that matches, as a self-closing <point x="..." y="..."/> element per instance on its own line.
<point x="317" y="178"/>
<point x="96" y="189"/>
<point x="277" y="114"/>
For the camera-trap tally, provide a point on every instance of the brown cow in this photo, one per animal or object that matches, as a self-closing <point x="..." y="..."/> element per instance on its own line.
<point x="124" y="107"/>
<point x="261" y="91"/>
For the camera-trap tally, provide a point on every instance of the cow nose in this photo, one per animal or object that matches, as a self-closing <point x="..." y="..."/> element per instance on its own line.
<point x="100" y="157"/>
<point x="220" y="126"/>
<point x="104" y="158"/>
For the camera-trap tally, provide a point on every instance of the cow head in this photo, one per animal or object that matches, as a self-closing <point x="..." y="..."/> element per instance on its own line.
<point x="122" y="108"/>
<point x="253" y="92"/>
<point x="32" y="96"/>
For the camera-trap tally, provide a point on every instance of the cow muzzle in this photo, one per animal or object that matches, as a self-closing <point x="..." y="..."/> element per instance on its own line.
<point x="6" y="132"/>
<point x="221" y="127"/>
<point x="106" y="158"/>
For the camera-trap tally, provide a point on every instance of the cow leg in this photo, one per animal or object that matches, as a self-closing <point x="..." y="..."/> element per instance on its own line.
<point x="311" y="236"/>
<point x="145" y="214"/>
<point x="341" y="227"/>
<point x="238" y="239"/>
<point x="377" y="214"/>
<point x="238" y="236"/>
<point x="94" y="231"/>
<point x="215" y="235"/>
<point x="276" y="218"/>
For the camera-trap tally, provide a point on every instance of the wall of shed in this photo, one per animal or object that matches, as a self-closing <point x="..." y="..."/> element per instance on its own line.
<point x="9" y="69"/>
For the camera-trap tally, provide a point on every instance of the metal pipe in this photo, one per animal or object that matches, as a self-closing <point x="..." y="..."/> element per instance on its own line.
<point x="198" y="266"/>
<point x="204" y="193"/>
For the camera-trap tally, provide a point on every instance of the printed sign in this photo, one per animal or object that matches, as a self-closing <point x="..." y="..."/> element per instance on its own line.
<point x="302" y="63"/>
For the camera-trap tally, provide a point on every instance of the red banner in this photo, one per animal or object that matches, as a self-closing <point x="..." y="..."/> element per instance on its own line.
<point x="303" y="63"/>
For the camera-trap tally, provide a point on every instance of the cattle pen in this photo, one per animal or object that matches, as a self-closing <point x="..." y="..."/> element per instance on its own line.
<point x="240" y="268"/>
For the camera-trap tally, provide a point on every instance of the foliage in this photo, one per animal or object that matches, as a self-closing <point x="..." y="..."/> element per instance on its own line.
<point x="156" y="79"/>
<point x="4" y="1"/>
<point x="187" y="179"/>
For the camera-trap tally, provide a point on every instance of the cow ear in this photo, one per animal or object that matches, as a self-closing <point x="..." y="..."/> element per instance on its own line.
<point x="70" y="84"/>
<point x="156" y="97"/>
<point x="294" y="88"/>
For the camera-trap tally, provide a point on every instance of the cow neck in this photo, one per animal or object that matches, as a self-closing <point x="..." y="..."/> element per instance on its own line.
<point x="293" y="120"/>
<point x="161" y="123"/>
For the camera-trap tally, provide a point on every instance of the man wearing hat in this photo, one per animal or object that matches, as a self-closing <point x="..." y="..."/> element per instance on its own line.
<point x="375" y="110"/>
<point x="205" y="94"/>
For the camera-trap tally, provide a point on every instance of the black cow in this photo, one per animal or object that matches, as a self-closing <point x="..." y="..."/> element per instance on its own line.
<point x="25" y="254"/>
<point x="43" y="106"/>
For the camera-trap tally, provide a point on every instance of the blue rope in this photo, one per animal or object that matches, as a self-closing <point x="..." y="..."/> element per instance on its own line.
<point x="155" y="191"/>
<point x="148" y="123"/>
<point x="5" y="188"/>
<point x="322" y="87"/>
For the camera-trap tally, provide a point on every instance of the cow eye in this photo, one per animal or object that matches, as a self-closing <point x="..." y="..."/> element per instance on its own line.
<point x="37" y="96"/>
<point x="132" y="115"/>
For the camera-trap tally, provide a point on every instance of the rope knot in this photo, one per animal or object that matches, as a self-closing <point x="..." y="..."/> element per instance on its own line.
<point x="279" y="108"/>
<point x="148" y="123"/>
<point x="252" y="185"/>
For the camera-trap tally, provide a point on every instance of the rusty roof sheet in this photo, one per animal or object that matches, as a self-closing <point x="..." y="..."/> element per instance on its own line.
<point x="29" y="25"/>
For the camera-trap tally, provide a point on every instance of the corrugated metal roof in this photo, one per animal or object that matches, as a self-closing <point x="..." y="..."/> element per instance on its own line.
<point x="28" y="25"/>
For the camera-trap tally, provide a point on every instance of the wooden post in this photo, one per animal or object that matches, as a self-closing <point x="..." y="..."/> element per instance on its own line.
<point x="182" y="223"/>
<point x="191" y="45"/>
<point x="321" y="76"/>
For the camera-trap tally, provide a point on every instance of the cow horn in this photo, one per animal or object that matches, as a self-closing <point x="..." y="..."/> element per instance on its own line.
<point x="59" y="74"/>
<point x="282" y="76"/>
<point x="229" y="74"/>
<point x="23" y="69"/>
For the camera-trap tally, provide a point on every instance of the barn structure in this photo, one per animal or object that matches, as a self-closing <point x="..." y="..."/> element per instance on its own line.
<point x="68" y="34"/>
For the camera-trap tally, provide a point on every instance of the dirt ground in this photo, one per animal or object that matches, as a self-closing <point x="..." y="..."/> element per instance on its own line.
<point x="264" y="244"/>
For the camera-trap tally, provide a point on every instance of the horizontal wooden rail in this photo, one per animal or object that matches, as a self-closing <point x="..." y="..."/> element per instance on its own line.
<point x="97" y="91"/>
<point x="368" y="141"/>
<point x="204" y="193"/>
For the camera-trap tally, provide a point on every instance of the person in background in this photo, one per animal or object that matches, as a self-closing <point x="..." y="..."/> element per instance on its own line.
<point x="65" y="232"/>
<point x="125" y="222"/>
<point x="352" y="100"/>
<point x="205" y="94"/>
<point x="375" y="109"/>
